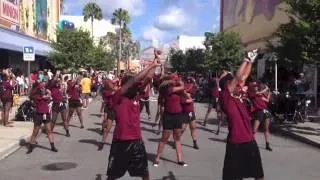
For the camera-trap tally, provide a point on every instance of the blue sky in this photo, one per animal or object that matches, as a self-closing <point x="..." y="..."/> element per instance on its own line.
<point x="160" y="20"/>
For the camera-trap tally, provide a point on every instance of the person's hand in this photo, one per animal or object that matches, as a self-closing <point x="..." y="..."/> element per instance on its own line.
<point x="252" y="55"/>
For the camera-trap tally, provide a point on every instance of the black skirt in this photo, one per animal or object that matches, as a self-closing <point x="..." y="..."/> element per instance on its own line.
<point x="242" y="160"/>
<point x="172" y="121"/>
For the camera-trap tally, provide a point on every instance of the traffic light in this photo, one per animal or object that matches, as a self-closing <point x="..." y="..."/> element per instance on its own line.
<point x="64" y="24"/>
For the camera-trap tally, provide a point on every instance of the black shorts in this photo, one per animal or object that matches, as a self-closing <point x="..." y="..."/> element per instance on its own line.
<point x="172" y="121"/>
<point x="242" y="160"/>
<point x="59" y="107"/>
<point x="128" y="156"/>
<point x="260" y="115"/>
<point x="213" y="101"/>
<point x="6" y="100"/>
<point x="189" y="117"/>
<point x="75" y="104"/>
<point x="110" y="113"/>
<point x="40" y="118"/>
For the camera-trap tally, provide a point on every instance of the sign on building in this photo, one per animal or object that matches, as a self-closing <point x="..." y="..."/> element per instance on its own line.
<point x="9" y="10"/>
<point x="28" y="53"/>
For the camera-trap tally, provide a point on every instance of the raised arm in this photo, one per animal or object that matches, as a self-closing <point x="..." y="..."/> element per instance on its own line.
<point x="144" y="74"/>
<point x="244" y="71"/>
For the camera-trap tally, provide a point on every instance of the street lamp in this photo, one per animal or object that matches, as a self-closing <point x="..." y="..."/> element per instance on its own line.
<point x="275" y="59"/>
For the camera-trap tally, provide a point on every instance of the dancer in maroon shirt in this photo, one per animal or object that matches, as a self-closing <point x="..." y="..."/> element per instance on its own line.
<point x="75" y="103"/>
<point x="127" y="151"/>
<point x="260" y="114"/>
<point x="242" y="158"/>
<point x="41" y="96"/>
<point x="145" y="101"/>
<point x="7" y="99"/>
<point x="58" y="105"/>
<point x="107" y="93"/>
<point x="172" y="117"/>
<point x="189" y="117"/>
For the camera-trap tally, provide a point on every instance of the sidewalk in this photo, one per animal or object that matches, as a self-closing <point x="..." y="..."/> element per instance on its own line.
<point x="12" y="137"/>
<point x="308" y="132"/>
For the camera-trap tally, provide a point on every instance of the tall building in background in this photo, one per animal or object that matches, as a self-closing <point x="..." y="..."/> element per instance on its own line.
<point x="27" y="23"/>
<point x="100" y="27"/>
<point x="254" y="20"/>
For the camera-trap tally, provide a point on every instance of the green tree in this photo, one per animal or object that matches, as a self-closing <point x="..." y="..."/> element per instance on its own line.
<point x="100" y="58"/>
<point x="178" y="60"/>
<point x="92" y="11"/>
<point x="224" y="50"/>
<point x="299" y="38"/>
<point x="195" y="60"/>
<point x="120" y="17"/>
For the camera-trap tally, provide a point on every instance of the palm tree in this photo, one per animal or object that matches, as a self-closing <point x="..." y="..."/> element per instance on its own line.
<point x="120" y="17"/>
<point x="92" y="11"/>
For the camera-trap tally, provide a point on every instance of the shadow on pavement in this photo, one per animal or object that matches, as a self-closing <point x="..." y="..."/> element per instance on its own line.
<point x="99" y="124"/>
<point x="96" y="115"/>
<point x="59" y="134"/>
<point x="218" y="140"/>
<point x="151" y="157"/>
<point x="98" y="177"/>
<point x="41" y="147"/>
<point x="206" y="129"/>
<point x="171" y="176"/>
<point x="96" y="130"/>
<point x="157" y="140"/>
<point x="148" y="130"/>
<point x="147" y="123"/>
<point x="89" y="141"/>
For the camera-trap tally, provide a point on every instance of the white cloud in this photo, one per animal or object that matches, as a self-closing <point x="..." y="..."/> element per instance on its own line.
<point x="174" y="18"/>
<point x="134" y="7"/>
<point x="153" y="34"/>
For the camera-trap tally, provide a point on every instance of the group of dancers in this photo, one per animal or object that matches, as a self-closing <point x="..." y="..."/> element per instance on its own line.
<point x="123" y="102"/>
<point x="175" y="111"/>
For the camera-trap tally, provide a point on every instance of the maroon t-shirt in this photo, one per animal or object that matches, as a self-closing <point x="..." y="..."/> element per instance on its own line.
<point x="107" y="98"/>
<point x="258" y="102"/>
<point x="127" y="118"/>
<point x="145" y="92"/>
<point x="172" y="102"/>
<point x="187" y="107"/>
<point x="238" y="117"/>
<point x="7" y="90"/>
<point x="57" y="95"/>
<point x="73" y="92"/>
<point x="41" y="104"/>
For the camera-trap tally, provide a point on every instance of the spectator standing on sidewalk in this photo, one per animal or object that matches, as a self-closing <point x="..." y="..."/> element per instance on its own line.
<point x="86" y="84"/>
<point x="6" y="95"/>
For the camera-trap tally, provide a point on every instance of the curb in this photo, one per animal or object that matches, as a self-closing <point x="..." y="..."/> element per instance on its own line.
<point x="16" y="144"/>
<point x="277" y="129"/>
<point x="13" y="147"/>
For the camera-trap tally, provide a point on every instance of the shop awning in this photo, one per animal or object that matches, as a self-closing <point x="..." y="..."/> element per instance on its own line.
<point x="15" y="41"/>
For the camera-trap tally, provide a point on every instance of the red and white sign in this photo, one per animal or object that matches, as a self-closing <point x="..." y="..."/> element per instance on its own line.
<point x="9" y="10"/>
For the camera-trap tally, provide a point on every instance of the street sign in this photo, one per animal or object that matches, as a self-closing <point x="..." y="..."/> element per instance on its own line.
<point x="28" y="53"/>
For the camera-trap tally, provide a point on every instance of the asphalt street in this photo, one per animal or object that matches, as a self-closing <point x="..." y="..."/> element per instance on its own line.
<point x="79" y="159"/>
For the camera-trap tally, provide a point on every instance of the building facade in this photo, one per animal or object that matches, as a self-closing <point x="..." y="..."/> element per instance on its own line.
<point x="27" y="23"/>
<point x="190" y="42"/>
